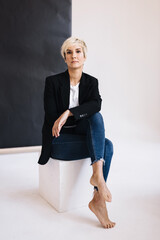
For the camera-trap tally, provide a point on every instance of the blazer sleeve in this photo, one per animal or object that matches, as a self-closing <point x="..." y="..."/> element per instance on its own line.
<point x="91" y="105"/>
<point x="50" y="108"/>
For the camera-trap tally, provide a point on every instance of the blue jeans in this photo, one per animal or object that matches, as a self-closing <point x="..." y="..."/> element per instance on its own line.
<point x="87" y="139"/>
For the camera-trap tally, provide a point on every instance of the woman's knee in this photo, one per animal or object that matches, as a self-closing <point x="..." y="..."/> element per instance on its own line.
<point x="96" y="119"/>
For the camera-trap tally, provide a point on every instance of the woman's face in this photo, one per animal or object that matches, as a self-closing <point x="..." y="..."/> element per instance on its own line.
<point x="75" y="57"/>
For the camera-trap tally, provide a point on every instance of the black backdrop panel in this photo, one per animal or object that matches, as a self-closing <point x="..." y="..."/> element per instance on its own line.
<point x="31" y="33"/>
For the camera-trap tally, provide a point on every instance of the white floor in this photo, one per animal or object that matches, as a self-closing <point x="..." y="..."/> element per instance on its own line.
<point x="133" y="180"/>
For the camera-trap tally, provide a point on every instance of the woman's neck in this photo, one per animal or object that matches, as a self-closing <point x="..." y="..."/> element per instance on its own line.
<point x="75" y="76"/>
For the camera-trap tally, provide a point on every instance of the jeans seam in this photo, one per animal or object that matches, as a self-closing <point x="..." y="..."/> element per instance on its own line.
<point x="92" y="141"/>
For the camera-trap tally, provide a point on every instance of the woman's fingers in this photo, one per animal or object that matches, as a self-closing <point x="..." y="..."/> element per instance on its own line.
<point x="55" y="132"/>
<point x="56" y="129"/>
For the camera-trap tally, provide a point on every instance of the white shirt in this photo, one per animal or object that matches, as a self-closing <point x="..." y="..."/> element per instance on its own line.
<point x="74" y="96"/>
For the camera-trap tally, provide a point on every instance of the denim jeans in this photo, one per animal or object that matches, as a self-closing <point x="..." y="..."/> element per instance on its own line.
<point x="87" y="139"/>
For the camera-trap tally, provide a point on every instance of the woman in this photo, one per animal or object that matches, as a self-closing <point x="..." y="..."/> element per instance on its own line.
<point x="72" y="104"/>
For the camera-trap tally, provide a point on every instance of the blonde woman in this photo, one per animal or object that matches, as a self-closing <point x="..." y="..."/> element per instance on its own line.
<point x="73" y="127"/>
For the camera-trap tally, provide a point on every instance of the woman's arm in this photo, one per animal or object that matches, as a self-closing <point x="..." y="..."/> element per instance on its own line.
<point x="53" y="119"/>
<point x="89" y="106"/>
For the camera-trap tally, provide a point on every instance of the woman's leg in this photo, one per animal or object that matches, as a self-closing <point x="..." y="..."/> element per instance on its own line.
<point x="97" y="148"/>
<point x="103" y="151"/>
<point x="93" y="128"/>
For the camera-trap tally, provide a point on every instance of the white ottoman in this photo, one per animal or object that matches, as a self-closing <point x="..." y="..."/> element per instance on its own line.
<point x="65" y="184"/>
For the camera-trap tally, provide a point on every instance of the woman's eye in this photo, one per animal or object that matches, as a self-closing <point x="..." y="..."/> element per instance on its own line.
<point x="78" y="51"/>
<point x="68" y="52"/>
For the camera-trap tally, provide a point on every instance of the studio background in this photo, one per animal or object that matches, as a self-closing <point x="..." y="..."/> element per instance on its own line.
<point x="32" y="33"/>
<point x="124" y="54"/>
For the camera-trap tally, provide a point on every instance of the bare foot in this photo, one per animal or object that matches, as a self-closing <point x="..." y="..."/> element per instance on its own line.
<point x="98" y="207"/>
<point x="102" y="188"/>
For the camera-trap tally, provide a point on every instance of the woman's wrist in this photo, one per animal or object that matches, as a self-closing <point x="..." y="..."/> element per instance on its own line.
<point x="69" y="113"/>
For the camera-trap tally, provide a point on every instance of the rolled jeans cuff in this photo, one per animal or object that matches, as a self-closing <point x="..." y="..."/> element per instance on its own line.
<point x="96" y="160"/>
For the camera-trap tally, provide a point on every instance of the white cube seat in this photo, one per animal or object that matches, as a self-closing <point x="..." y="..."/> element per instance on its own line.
<point x="65" y="184"/>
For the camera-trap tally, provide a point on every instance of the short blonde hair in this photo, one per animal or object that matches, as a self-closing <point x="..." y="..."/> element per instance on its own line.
<point x="71" y="41"/>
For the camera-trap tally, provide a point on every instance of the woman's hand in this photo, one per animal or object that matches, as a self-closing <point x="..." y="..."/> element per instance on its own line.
<point x="58" y="124"/>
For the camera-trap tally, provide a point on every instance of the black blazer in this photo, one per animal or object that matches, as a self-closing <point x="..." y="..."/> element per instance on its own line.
<point x="56" y="101"/>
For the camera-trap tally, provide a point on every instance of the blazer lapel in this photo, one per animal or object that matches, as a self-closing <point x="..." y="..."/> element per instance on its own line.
<point x="65" y="90"/>
<point x="82" y="88"/>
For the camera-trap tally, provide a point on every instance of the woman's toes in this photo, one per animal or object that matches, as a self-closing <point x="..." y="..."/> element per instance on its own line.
<point x="112" y="225"/>
<point x="109" y="225"/>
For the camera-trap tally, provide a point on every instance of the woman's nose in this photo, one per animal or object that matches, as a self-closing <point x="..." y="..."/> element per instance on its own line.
<point x="73" y="55"/>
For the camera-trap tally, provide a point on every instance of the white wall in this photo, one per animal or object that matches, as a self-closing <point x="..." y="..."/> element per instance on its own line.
<point x="123" y="38"/>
